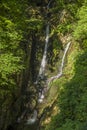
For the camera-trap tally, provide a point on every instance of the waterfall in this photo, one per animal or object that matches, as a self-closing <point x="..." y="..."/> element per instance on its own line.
<point x="43" y="62"/>
<point x="41" y="91"/>
<point x="32" y="119"/>
<point x="43" y="65"/>
<point x="61" y="66"/>
<point x="62" y="63"/>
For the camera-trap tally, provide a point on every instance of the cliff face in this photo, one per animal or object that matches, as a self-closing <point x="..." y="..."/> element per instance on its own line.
<point x="23" y="38"/>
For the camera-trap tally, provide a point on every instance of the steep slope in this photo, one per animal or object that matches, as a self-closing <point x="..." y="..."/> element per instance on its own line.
<point x="72" y="93"/>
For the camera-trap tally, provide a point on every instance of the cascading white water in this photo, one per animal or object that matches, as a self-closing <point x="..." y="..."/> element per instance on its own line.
<point x="61" y="66"/>
<point x="62" y="63"/>
<point x="41" y="96"/>
<point x="43" y="62"/>
<point x="32" y="119"/>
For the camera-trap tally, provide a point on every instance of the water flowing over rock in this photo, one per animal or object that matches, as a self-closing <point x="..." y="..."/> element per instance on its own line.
<point x="40" y="77"/>
<point x="41" y="90"/>
<point x="32" y="119"/>
<point x="41" y="93"/>
<point x="61" y="66"/>
<point x="43" y="62"/>
<point x="43" y="65"/>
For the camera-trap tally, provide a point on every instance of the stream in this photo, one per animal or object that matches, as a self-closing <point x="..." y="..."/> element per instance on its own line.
<point x="40" y="76"/>
<point x="61" y="66"/>
<point x="31" y="120"/>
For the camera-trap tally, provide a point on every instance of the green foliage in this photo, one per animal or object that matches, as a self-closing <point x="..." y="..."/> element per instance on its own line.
<point x="84" y="44"/>
<point x="19" y="22"/>
<point x="80" y="31"/>
<point x="73" y="125"/>
<point x="72" y="99"/>
<point x="63" y="28"/>
<point x="9" y="49"/>
<point x="72" y="8"/>
<point x="9" y="65"/>
<point x="60" y="4"/>
<point x="11" y="54"/>
<point x="34" y="24"/>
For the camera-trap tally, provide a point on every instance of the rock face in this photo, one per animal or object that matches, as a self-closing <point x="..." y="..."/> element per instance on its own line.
<point x="35" y="106"/>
